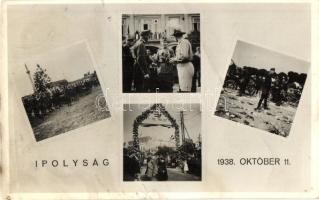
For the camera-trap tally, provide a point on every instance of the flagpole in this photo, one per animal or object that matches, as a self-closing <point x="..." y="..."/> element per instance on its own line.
<point x="182" y="126"/>
<point x="30" y="78"/>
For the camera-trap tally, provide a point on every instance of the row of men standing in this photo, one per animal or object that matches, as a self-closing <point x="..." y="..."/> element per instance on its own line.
<point x="143" y="72"/>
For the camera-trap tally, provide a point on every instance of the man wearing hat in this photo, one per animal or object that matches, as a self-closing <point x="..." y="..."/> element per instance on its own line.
<point x="183" y="58"/>
<point x="127" y="65"/>
<point x="266" y="90"/>
<point x="141" y="65"/>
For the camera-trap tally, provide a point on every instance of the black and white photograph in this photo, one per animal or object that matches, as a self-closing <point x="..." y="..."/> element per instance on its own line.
<point x="61" y="92"/>
<point x="262" y="88"/>
<point x="161" y="53"/>
<point x="162" y="142"/>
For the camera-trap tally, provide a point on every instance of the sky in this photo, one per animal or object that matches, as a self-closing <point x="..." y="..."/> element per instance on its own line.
<point x="68" y="63"/>
<point x="161" y="135"/>
<point x="246" y="54"/>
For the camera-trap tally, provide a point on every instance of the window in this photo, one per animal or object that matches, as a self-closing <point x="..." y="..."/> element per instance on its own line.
<point x="196" y="23"/>
<point x="145" y="26"/>
<point x="124" y="26"/>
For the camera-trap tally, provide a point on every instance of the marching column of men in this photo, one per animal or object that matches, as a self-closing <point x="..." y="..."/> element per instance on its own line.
<point x="144" y="72"/>
<point x="40" y="104"/>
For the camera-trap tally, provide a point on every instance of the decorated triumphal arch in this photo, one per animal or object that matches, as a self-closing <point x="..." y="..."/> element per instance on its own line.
<point x="157" y="109"/>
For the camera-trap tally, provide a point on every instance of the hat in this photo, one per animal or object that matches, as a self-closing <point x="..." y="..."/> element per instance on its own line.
<point x="273" y="69"/>
<point x="178" y="32"/>
<point x="145" y="32"/>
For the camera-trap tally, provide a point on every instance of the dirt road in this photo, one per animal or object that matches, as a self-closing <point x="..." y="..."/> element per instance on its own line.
<point x="80" y="113"/>
<point x="277" y="120"/>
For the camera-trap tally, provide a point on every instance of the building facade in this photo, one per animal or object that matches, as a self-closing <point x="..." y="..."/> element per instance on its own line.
<point x="160" y="25"/>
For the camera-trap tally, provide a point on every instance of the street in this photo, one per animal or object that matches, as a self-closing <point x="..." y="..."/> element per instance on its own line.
<point x="175" y="174"/>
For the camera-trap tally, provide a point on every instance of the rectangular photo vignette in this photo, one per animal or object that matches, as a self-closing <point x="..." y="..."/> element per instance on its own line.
<point x="262" y="88"/>
<point x="161" y="53"/>
<point x="162" y="142"/>
<point x="61" y="92"/>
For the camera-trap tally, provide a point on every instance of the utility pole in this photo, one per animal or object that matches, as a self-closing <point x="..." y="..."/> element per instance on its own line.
<point x="28" y="72"/>
<point x="182" y="127"/>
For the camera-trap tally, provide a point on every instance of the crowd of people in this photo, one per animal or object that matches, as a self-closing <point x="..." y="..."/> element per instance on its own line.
<point x="250" y="81"/>
<point x="147" y="72"/>
<point x="41" y="103"/>
<point x="147" y="166"/>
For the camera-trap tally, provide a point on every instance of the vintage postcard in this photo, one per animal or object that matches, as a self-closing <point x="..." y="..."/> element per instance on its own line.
<point x="158" y="100"/>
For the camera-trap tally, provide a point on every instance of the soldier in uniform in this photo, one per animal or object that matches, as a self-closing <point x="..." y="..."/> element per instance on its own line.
<point x="152" y="81"/>
<point x="276" y="91"/>
<point x="196" y="63"/>
<point x="141" y="65"/>
<point x="266" y="90"/>
<point x="127" y="65"/>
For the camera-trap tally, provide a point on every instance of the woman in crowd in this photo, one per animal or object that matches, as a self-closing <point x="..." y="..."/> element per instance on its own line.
<point x="183" y="58"/>
<point x="185" y="166"/>
<point x="162" y="170"/>
<point x="149" y="173"/>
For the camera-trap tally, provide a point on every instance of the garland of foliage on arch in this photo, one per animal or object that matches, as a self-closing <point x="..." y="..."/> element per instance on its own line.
<point x="139" y="119"/>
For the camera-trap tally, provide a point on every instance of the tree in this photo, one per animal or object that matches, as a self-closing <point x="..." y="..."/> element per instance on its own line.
<point x="188" y="146"/>
<point x="232" y="69"/>
<point x="164" y="150"/>
<point x="250" y="70"/>
<point x="262" y="72"/>
<point x="41" y="80"/>
<point x="282" y="74"/>
<point x="194" y="39"/>
<point x="293" y="76"/>
<point x="302" y="79"/>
